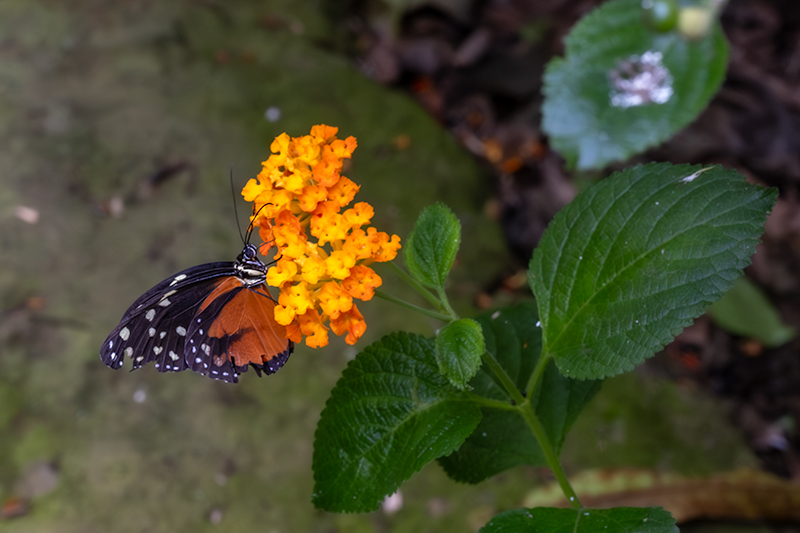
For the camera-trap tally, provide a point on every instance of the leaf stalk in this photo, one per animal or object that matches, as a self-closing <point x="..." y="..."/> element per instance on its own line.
<point x="503" y="377"/>
<point x="421" y="310"/>
<point x="417" y="286"/>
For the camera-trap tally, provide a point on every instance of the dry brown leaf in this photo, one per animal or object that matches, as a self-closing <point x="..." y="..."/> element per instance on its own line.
<point x="741" y="494"/>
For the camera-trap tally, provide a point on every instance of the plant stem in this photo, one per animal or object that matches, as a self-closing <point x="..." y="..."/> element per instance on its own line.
<point x="505" y="380"/>
<point x="489" y="402"/>
<point x="412" y="307"/>
<point x="446" y="303"/>
<point x="417" y="286"/>
<point x="526" y="411"/>
<point x="537" y="373"/>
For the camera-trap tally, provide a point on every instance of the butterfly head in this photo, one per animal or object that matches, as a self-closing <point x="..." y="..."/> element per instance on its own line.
<point x="250" y="269"/>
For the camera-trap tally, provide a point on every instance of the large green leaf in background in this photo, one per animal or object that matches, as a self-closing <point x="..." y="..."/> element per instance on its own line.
<point x="633" y="260"/>
<point x="578" y="115"/>
<point x="502" y="439"/>
<point x="616" y="520"/>
<point x="745" y="310"/>
<point x="391" y="413"/>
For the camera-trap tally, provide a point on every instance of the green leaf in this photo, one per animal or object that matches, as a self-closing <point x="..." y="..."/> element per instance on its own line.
<point x="390" y="413"/>
<point x="578" y="114"/>
<point x="550" y="520"/>
<point x="745" y="311"/>
<point x="634" y="259"/>
<point x="431" y="248"/>
<point x="502" y="439"/>
<point x="459" y="347"/>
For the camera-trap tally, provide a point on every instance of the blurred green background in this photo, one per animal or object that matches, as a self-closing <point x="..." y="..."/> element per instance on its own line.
<point x="96" y="97"/>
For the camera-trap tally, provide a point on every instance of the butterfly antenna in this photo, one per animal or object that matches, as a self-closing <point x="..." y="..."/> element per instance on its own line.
<point x="250" y="227"/>
<point x="236" y="211"/>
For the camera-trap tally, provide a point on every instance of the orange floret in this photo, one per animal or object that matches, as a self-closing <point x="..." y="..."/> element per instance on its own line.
<point x="322" y="252"/>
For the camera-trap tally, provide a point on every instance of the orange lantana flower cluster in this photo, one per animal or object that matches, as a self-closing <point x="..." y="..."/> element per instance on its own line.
<point x="323" y="254"/>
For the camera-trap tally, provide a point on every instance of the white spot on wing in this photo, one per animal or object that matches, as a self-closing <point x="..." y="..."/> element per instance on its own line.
<point x="128" y="351"/>
<point x="173" y="355"/>
<point x="151" y="332"/>
<point x="150" y="315"/>
<point x="179" y="277"/>
<point x="113" y="355"/>
<point x="110" y="344"/>
<point x="165" y="302"/>
<point x="162" y="334"/>
<point x="180" y="330"/>
<point x="157" y="349"/>
<point x="124" y="333"/>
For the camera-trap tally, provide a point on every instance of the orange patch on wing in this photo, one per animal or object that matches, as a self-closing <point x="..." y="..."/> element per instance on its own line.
<point x="250" y="318"/>
<point x="227" y="284"/>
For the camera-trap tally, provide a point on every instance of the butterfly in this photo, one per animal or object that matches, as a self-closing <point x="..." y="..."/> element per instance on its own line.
<point x="215" y="318"/>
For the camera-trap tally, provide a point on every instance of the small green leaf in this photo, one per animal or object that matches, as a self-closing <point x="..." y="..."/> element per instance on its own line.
<point x="634" y="259"/>
<point x="390" y="413"/>
<point x="745" y="311"/>
<point x="459" y="347"/>
<point x="503" y="440"/>
<point x="592" y="119"/>
<point x="431" y="248"/>
<point x="549" y="520"/>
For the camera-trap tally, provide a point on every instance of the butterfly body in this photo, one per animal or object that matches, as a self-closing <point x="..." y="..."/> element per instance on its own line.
<point x="216" y="319"/>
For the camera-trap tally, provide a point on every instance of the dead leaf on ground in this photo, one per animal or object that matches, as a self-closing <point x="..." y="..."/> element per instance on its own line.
<point x="740" y="495"/>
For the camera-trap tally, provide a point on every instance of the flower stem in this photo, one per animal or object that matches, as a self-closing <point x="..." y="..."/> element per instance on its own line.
<point x="417" y="286"/>
<point x="526" y="411"/>
<point x="412" y="307"/>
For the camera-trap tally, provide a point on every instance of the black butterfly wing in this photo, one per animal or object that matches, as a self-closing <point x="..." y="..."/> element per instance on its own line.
<point x="155" y="326"/>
